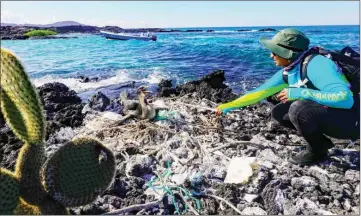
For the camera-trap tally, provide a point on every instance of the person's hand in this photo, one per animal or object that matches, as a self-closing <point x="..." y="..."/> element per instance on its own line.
<point x="283" y="96"/>
<point x="219" y="112"/>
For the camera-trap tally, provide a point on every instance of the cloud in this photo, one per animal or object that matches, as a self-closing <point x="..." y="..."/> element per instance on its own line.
<point x="99" y="22"/>
<point x="9" y="16"/>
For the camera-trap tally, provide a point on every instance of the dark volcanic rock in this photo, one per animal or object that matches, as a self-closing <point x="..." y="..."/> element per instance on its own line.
<point x="13" y="33"/>
<point x="17" y="32"/>
<point x="167" y="92"/>
<point x="85" y="79"/>
<point x="267" y="29"/>
<point x="274" y="197"/>
<point x="9" y="146"/>
<point x="242" y="30"/>
<point x="167" y="31"/>
<point x="99" y="102"/>
<point x="194" y="30"/>
<point x="165" y="83"/>
<point x="114" y="29"/>
<point x="63" y="107"/>
<point x="75" y="29"/>
<point x="210" y="87"/>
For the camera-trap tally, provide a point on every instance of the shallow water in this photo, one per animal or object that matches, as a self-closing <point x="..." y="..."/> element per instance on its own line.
<point x="177" y="56"/>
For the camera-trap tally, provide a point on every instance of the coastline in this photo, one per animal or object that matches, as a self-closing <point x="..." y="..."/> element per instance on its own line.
<point x="17" y="32"/>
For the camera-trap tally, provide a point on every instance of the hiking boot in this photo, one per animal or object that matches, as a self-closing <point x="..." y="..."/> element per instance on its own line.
<point x="307" y="158"/>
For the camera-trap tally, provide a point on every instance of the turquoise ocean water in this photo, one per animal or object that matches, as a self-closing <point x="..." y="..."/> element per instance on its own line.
<point x="177" y="56"/>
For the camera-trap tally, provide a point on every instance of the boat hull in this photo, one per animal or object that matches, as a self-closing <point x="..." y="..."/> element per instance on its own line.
<point x="115" y="36"/>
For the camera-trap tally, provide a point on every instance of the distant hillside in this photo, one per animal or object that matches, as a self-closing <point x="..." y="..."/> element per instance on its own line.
<point x="56" y="24"/>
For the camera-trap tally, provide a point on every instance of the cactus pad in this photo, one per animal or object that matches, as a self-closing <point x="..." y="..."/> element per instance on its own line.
<point x="10" y="192"/>
<point x="19" y="101"/>
<point x="78" y="172"/>
<point x="28" y="166"/>
<point x="26" y="209"/>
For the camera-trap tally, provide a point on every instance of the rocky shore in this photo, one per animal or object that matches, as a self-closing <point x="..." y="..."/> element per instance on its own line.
<point x="191" y="162"/>
<point x="17" y="32"/>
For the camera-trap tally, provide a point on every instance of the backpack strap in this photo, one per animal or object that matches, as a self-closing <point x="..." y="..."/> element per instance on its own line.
<point x="303" y="73"/>
<point x="285" y="76"/>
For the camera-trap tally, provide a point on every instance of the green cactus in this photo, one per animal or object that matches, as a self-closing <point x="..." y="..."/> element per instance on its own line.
<point x="77" y="173"/>
<point x="25" y="208"/>
<point x="19" y="102"/>
<point x="74" y="175"/>
<point x="10" y="192"/>
<point x="28" y="166"/>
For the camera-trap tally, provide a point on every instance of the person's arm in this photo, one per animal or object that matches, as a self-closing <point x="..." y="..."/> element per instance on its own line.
<point x="334" y="91"/>
<point x="270" y="87"/>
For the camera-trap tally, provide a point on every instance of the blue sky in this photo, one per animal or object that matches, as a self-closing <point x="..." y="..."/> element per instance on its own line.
<point x="164" y="14"/>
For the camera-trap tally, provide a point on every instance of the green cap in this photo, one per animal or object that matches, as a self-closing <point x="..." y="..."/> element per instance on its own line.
<point x="287" y="43"/>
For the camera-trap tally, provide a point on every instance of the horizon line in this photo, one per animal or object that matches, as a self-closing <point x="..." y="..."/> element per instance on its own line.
<point x="24" y="24"/>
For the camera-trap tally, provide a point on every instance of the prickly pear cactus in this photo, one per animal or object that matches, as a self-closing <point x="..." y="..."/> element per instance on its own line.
<point x="25" y="208"/>
<point x="19" y="102"/>
<point x="10" y="192"/>
<point x="28" y="166"/>
<point x="77" y="173"/>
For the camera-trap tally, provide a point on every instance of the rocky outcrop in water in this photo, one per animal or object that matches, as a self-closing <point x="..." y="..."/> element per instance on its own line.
<point x="85" y="79"/>
<point x="18" y="32"/>
<point x="210" y="87"/>
<point x="267" y="29"/>
<point x="242" y="30"/>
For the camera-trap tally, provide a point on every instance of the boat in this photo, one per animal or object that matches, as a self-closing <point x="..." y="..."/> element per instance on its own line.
<point x="122" y="36"/>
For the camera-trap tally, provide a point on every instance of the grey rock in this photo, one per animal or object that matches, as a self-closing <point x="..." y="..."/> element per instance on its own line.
<point x="357" y="190"/>
<point x="266" y="164"/>
<point x="308" y="207"/>
<point x="99" y="102"/>
<point x="318" y="173"/>
<point x="274" y="197"/>
<point x="303" y="182"/>
<point x="218" y="172"/>
<point x="324" y="200"/>
<point x="139" y="165"/>
<point x="290" y="209"/>
<point x="352" y="175"/>
<point x="336" y="203"/>
<point x="269" y="155"/>
<point x="295" y="138"/>
<point x="356" y="210"/>
<point x="253" y="211"/>
<point x="250" y="197"/>
<point x="347" y="205"/>
<point x="259" y="181"/>
<point x="347" y="189"/>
